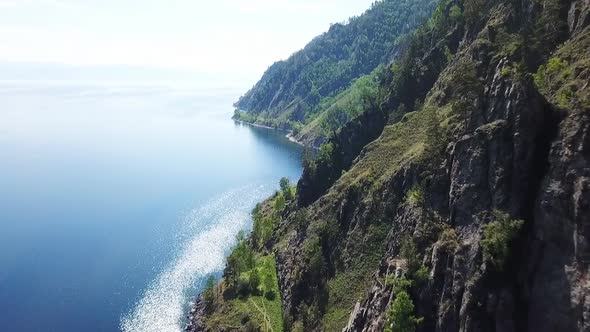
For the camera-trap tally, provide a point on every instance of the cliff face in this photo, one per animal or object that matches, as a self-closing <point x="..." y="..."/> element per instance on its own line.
<point x="476" y="198"/>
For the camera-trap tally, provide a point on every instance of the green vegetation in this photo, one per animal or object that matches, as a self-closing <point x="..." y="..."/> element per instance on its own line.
<point x="257" y="307"/>
<point x="557" y="78"/>
<point x="239" y="261"/>
<point x="400" y="317"/>
<point x="400" y="144"/>
<point x="497" y="237"/>
<point x="249" y="289"/>
<point x="330" y="80"/>
<point x="333" y="112"/>
<point x="414" y="268"/>
<point x="254" y="281"/>
<point x="448" y="240"/>
<point x="286" y="189"/>
<point x="267" y="216"/>
<point x="549" y="29"/>
<point x="415" y="195"/>
<point x="555" y="69"/>
<point x="210" y="293"/>
<point x="349" y="284"/>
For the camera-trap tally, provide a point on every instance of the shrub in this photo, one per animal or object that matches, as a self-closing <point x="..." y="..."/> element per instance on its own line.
<point x="416" y="271"/>
<point x="298" y="327"/>
<point x="422" y="275"/>
<point x="415" y="195"/>
<point x="448" y="240"/>
<point x="325" y="154"/>
<point x="285" y="185"/>
<point x="565" y="96"/>
<point x="279" y="203"/>
<point x="400" y="317"/>
<point x="548" y="74"/>
<point x="399" y="284"/>
<point x="254" y="281"/>
<point x="240" y="260"/>
<point x="497" y="236"/>
<point x="312" y="251"/>
<point x="456" y="14"/>
<point x="410" y="254"/>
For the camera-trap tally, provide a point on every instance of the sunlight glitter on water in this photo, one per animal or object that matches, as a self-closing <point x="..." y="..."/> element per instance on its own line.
<point x="215" y="225"/>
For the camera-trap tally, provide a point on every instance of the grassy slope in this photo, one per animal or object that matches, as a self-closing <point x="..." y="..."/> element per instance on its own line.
<point x="334" y="112"/>
<point x="564" y="80"/>
<point x="231" y="311"/>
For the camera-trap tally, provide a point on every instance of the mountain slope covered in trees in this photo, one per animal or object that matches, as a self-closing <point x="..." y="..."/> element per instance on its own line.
<point x="325" y="83"/>
<point x="459" y="202"/>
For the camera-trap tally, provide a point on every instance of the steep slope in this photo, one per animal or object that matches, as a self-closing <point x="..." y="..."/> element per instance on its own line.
<point x="462" y="201"/>
<point x="297" y="91"/>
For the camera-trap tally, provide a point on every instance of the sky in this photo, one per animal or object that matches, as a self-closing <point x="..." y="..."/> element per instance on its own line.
<point x="214" y="38"/>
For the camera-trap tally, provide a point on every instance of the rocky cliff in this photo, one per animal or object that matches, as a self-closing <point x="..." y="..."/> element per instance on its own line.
<point x="462" y="204"/>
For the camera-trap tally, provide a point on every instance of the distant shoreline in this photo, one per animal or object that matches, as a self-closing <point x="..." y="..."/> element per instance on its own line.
<point x="289" y="134"/>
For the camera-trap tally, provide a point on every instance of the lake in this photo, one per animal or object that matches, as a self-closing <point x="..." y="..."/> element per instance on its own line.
<point x="117" y="201"/>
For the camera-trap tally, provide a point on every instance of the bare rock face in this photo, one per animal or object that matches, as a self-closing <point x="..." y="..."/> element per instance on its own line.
<point x="196" y="318"/>
<point x="578" y="16"/>
<point x="559" y="288"/>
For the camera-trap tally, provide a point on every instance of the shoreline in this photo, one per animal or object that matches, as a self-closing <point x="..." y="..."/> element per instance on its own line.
<point x="289" y="134"/>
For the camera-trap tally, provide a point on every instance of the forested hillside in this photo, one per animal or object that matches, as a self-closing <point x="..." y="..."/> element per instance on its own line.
<point x="298" y="91"/>
<point x="459" y="200"/>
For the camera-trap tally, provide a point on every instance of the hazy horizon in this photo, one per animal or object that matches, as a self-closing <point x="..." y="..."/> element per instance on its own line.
<point x="228" y="41"/>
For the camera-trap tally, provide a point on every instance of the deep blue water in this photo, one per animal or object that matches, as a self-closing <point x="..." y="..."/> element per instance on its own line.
<point x="116" y="201"/>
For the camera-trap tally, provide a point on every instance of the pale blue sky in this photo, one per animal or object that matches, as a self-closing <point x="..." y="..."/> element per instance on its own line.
<point x="216" y="37"/>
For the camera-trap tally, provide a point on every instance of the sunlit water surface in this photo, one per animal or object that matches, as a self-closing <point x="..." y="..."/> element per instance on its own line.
<point x="117" y="201"/>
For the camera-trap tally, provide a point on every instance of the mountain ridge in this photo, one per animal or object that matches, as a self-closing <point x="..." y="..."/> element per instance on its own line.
<point x="335" y="70"/>
<point x="459" y="200"/>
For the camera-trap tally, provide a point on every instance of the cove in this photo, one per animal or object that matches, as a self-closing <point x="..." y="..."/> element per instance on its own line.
<point x="116" y="202"/>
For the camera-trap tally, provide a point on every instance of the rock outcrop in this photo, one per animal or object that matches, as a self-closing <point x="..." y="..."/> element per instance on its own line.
<point x="417" y="194"/>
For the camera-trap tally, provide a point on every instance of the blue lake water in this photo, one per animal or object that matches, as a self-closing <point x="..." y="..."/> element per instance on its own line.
<point x="117" y="201"/>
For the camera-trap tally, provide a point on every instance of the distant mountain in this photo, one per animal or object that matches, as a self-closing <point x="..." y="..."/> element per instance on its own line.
<point x="297" y="92"/>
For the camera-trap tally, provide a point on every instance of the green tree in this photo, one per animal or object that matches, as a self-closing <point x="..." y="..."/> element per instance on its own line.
<point x="269" y="287"/>
<point x="280" y="204"/>
<point x="232" y="271"/>
<point x="497" y="237"/>
<point x="209" y="292"/>
<point x="254" y="281"/>
<point x="400" y="317"/>
<point x="286" y="188"/>
<point x="240" y="260"/>
<point x="455" y="13"/>
<point x="326" y="154"/>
